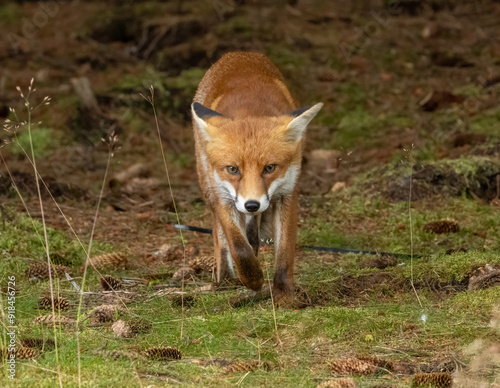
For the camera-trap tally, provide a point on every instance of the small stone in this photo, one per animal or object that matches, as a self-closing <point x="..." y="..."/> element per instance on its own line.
<point x="122" y="329"/>
<point x="165" y="251"/>
<point x="184" y="273"/>
<point x="337" y="187"/>
<point x="484" y="277"/>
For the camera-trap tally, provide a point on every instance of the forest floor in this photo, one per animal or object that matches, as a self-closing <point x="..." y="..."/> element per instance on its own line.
<point x="404" y="158"/>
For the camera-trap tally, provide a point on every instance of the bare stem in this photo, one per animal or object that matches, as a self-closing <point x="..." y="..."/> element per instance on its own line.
<point x="152" y="102"/>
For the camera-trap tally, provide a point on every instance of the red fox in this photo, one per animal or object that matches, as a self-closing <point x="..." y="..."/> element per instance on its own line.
<point x="249" y="137"/>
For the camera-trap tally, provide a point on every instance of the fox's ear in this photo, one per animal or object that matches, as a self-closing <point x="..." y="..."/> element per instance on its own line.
<point x="296" y="128"/>
<point x="200" y="115"/>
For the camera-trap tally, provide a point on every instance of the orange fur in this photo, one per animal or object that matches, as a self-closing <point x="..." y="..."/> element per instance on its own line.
<point x="254" y="132"/>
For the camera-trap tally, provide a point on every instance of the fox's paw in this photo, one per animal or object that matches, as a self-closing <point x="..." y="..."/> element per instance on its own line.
<point x="251" y="297"/>
<point x="253" y="283"/>
<point x="251" y="274"/>
<point x="283" y="297"/>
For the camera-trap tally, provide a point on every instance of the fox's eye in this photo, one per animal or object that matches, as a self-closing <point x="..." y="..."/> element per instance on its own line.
<point x="233" y="170"/>
<point x="269" y="168"/>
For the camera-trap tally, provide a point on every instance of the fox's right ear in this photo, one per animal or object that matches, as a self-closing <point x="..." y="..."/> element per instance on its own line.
<point x="200" y="115"/>
<point x="301" y="117"/>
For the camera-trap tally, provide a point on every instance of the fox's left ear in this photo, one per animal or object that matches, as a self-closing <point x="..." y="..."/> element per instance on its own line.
<point x="200" y="115"/>
<point x="296" y="128"/>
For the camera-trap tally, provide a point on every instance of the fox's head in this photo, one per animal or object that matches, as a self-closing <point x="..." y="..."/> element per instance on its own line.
<point x="253" y="159"/>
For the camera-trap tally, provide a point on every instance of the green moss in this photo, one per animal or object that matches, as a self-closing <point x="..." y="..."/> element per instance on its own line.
<point x="24" y="235"/>
<point x="239" y="25"/>
<point x="488" y="123"/>
<point x="472" y="166"/>
<point x="45" y="140"/>
<point x="173" y="95"/>
<point x="212" y="330"/>
<point x="451" y="269"/>
<point x="480" y="302"/>
<point x="471" y="176"/>
<point x="184" y="160"/>
<point x="10" y="13"/>
<point x="469" y="90"/>
<point x="353" y="126"/>
<point x="351" y="95"/>
<point x="285" y="58"/>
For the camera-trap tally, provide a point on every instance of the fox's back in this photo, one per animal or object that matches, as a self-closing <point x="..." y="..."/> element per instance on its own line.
<point x="244" y="84"/>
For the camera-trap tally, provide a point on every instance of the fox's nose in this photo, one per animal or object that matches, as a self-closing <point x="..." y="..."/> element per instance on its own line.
<point x="252" y="206"/>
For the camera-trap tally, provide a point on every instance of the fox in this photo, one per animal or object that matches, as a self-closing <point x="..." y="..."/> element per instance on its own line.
<point x="249" y="137"/>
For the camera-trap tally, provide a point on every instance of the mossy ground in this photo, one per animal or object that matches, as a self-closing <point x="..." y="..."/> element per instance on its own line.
<point x="351" y="309"/>
<point x="415" y="311"/>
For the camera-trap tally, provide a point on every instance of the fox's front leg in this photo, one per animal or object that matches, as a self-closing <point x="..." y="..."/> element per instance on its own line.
<point x="223" y="257"/>
<point x="252" y="232"/>
<point x="285" y="236"/>
<point x="232" y="225"/>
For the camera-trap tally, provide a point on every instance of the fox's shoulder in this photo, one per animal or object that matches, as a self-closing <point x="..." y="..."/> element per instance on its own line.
<point x="245" y="81"/>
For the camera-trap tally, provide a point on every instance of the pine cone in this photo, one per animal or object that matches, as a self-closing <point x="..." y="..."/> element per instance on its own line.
<point x="45" y="303"/>
<point x="186" y="300"/>
<point x="352" y="366"/>
<point x="163" y="353"/>
<point x="116" y="354"/>
<point x="49" y="319"/>
<point x="140" y="326"/>
<point x="441" y="380"/>
<point x="26" y="353"/>
<point x="110" y="283"/>
<point x="338" y="383"/>
<point x="203" y="263"/>
<point x="38" y="343"/>
<point x="328" y="75"/>
<point x="244" y="366"/>
<point x="378" y="362"/>
<point x="57" y="259"/>
<point x="442" y="226"/>
<point x="41" y="271"/>
<point x="105" y="313"/>
<point x="109" y="260"/>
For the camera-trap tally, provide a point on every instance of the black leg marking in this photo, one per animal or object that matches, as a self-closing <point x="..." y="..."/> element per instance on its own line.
<point x="253" y="234"/>
<point x="224" y="272"/>
<point x="281" y="280"/>
<point x="266" y="226"/>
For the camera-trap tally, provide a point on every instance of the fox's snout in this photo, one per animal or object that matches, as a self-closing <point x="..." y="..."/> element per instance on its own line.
<point x="252" y="206"/>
